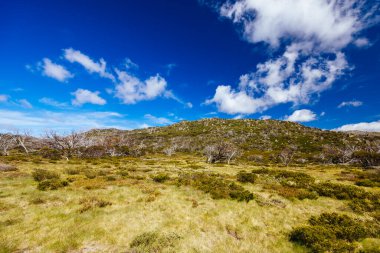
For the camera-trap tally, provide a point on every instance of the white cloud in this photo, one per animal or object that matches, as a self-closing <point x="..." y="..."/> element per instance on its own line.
<point x="83" y="96"/>
<point x="3" y="98"/>
<point x="362" y="42"/>
<point x="52" y="102"/>
<point x="189" y="105"/>
<point x="303" y="115"/>
<point x="363" y="126"/>
<point x="55" y="71"/>
<point x="131" y="89"/>
<point x="330" y="25"/>
<point x="158" y="120"/>
<point x="25" y="103"/>
<point x="315" y="32"/>
<point x="90" y="65"/>
<point x="265" y="117"/>
<point x="353" y="103"/>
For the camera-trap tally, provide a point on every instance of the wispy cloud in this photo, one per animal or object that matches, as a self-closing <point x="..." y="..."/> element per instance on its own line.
<point x="3" y="98"/>
<point x="75" y="56"/>
<point x="25" y="103"/>
<point x="40" y="120"/>
<point x="52" y="102"/>
<point x="158" y="120"/>
<point x="353" y="103"/>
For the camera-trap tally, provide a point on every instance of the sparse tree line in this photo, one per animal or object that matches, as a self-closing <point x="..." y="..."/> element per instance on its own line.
<point x="96" y="144"/>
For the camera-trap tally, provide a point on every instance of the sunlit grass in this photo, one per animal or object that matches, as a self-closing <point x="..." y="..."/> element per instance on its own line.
<point x="73" y="218"/>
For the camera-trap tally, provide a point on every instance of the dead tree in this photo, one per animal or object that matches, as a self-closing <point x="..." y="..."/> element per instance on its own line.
<point x="287" y="154"/>
<point x="7" y="141"/>
<point x="66" y="144"/>
<point x="21" y="139"/>
<point x="221" y="152"/>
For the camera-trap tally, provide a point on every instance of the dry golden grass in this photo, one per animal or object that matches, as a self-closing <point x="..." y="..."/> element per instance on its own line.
<point x="107" y="212"/>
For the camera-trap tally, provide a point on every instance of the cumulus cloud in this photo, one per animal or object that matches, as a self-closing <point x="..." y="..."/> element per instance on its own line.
<point x="90" y="65"/>
<point x="131" y="89"/>
<point x="303" y="115"/>
<point x="313" y="34"/>
<point x="353" y="103"/>
<point x="82" y="96"/>
<point x="55" y="71"/>
<point x="363" y="126"/>
<point x="329" y="25"/>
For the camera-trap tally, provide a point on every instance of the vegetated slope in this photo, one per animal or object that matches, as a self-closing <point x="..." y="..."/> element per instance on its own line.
<point x="252" y="137"/>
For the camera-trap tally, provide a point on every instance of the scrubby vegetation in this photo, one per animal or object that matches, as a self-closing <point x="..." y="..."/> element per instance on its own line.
<point x="216" y="186"/>
<point x="331" y="232"/>
<point x="205" y="186"/>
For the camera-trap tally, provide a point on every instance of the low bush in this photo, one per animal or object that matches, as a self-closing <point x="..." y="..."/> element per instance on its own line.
<point x="51" y="184"/>
<point x="92" y="202"/>
<point x="72" y="171"/>
<point x="90" y="174"/>
<point x="294" y="179"/>
<point x="246" y="177"/>
<point x="339" y="191"/>
<point x="331" y="232"/>
<point x="294" y="193"/>
<point x="216" y="186"/>
<point x="42" y="174"/>
<point x="160" y="178"/>
<point x="152" y="242"/>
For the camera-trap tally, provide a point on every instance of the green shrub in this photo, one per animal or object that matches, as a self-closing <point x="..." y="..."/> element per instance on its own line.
<point x="291" y="193"/>
<point x="339" y="191"/>
<point x="246" y="177"/>
<point x="152" y="242"/>
<point x="294" y="179"/>
<point x="52" y="184"/>
<point x="160" y="178"/>
<point x="42" y="174"/>
<point x="331" y="232"/>
<point x="216" y="186"/>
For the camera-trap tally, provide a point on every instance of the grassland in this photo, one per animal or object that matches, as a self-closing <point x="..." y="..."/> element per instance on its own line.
<point x="138" y="205"/>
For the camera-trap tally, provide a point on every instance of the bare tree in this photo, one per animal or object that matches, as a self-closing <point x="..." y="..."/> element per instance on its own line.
<point x="287" y="154"/>
<point x="6" y="142"/>
<point x="22" y="138"/>
<point x="221" y="152"/>
<point x="67" y="144"/>
<point x="169" y="151"/>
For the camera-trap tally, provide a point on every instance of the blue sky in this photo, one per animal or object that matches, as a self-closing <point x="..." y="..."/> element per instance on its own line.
<point x="131" y="64"/>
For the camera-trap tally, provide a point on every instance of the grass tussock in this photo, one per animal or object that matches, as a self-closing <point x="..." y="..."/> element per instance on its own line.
<point x="152" y="242"/>
<point x="89" y="203"/>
